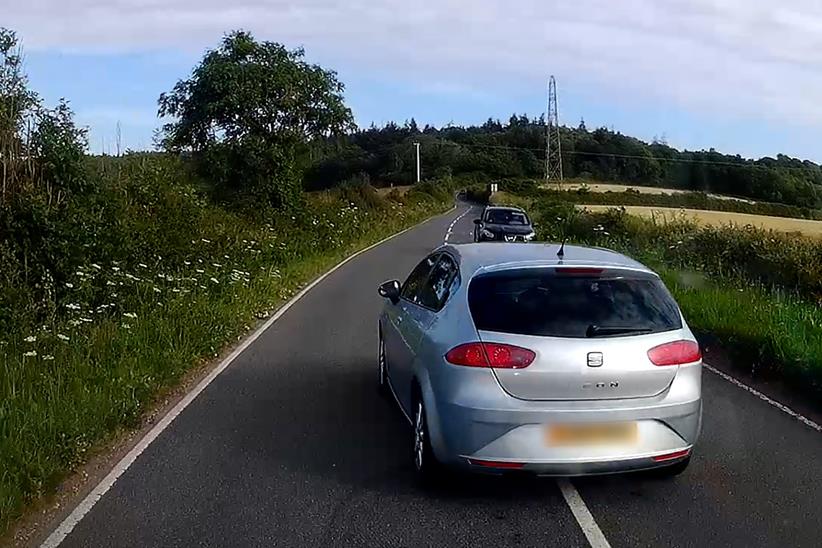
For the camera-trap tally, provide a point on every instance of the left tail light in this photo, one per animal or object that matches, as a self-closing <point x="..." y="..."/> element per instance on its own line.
<point x="497" y="355"/>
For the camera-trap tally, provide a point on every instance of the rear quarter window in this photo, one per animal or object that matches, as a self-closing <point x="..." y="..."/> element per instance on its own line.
<point x="543" y="302"/>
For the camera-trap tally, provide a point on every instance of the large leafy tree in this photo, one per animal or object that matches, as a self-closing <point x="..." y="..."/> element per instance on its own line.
<point x="247" y="109"/>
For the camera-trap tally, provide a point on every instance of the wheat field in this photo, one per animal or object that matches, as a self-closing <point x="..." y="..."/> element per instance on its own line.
<point x="717" y="218"/>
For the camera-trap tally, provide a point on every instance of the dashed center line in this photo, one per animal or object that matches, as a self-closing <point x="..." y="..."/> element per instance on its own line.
<point x="596" y="538"/>
<point x="453" y="223"/>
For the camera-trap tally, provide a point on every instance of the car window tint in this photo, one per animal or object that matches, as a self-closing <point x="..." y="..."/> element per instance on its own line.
<point x="439" y="284"/>
<point x="506" y="217"/>
<point x="542" y="302"/>
<point x="416" y="280"/>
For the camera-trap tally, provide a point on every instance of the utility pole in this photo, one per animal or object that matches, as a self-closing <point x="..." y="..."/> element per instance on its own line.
<point x="417" y="147"/>
<point x="553" y="149"/>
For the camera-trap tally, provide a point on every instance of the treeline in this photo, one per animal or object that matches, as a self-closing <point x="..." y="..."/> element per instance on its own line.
<point x="516" y="149"/>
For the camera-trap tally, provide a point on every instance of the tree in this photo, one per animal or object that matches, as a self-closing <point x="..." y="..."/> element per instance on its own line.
<point x="248" y="109"/>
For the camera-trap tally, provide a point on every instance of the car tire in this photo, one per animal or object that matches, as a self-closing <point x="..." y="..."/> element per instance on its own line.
<point x="426" y="466"/>
<point x="673" y="470"/>
<point x="382" y="370"/>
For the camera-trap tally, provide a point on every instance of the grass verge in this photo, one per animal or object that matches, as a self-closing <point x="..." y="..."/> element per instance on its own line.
<point x="132" y="330"/>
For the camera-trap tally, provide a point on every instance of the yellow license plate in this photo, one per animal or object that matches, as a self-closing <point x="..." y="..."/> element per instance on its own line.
<point x="591" y="434"/>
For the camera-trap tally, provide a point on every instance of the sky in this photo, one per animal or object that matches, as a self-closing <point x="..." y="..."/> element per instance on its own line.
<point x="741" y="76"/>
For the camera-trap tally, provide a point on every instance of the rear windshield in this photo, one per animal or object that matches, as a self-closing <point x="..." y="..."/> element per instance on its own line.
<point x="544" y="303"/>
<point x="506" y="217"/>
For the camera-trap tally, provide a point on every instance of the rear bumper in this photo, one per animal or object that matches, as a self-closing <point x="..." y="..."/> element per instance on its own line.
<point x="520" y="438"/>
<point x="509" y="430"/>
<point x="566" y="469"/>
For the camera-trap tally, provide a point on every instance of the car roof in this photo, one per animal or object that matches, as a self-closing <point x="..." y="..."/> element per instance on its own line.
<point x="504" y="255"/>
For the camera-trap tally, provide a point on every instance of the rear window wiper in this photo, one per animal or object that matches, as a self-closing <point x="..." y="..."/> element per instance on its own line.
<point x="605" y="330"/>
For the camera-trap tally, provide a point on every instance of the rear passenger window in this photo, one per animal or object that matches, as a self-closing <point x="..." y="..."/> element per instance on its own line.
<point x="440" y="284"/>
<point x="416" y="280"/>
<point x="544" y="303"/>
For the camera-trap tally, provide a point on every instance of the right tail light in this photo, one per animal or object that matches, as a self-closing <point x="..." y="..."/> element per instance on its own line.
<point x="675" y="353"/>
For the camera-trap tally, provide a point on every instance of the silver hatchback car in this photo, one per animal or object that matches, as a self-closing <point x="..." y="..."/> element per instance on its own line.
<point x="557" y="361"/>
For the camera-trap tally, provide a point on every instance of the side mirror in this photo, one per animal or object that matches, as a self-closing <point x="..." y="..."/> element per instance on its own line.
<point x="390" y="290"/>
<point x="478" y="222"/>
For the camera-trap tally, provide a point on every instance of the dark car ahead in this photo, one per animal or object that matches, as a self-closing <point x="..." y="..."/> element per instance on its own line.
<point x="503" y="224"/>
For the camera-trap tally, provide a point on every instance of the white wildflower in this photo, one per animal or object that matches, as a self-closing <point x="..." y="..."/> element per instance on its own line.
<point x="110" y="283"/>
<point x="205" y="241"/>
<point x="48" y="357"/>
<point x="141" y="265"/>
<point x="126" y="326"/>
<point x="30" y="339"/>
<point x="70" y="286"/>
<point x="73" y="306"/>
<point x="199" y="270"/>
<point x="214" y="280"/>
<point x="131" y="315"/>
<point x="216" y="265"/>
<point x="63" y="337"/>
<point x="74" y="323"/>
<point x="187" y="263"/>
<point x="87" y="320"/>
<point x="30" y="353"/>
<point x="96" y="266"/>
<point x="116" y="268"/>
<point x="157" y="290"/>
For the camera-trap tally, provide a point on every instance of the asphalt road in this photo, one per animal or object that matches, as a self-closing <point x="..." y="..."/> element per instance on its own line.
<point x="292" y="446"/>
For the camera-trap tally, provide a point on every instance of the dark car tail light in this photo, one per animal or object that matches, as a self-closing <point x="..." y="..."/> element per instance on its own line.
<point x="478" y="354"/>
<point x="675" y="353"/>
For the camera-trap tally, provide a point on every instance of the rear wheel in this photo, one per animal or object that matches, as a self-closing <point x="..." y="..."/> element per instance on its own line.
<point x="426" y="466"/>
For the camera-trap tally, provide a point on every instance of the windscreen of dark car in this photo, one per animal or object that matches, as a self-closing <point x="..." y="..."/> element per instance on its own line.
<point x="506" y="217"/>
<point x="545" y="302"/>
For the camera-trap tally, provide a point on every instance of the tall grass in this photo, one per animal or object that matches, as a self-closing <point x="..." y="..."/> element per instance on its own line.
<point x="173" y="279"/>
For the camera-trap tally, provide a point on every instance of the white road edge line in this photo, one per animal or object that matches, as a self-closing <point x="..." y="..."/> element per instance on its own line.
<point x="784" y="408"/>
<point x="584" y="518"/>
<point x="71" y="521"/>
<point x="454" y="222"/>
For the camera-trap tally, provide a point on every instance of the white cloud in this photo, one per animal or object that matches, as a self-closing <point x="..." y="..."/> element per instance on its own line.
<point x="740" y="58"/>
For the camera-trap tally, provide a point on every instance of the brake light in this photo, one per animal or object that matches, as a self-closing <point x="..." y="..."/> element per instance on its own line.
<point x="580" y="271"/>
<point x="675" y="353"/>
<point x="478" y="354"/>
